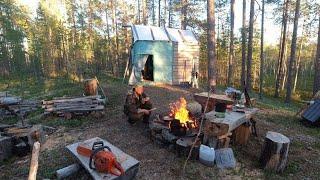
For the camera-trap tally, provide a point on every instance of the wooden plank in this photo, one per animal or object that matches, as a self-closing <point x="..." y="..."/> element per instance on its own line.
<point x="85" y="98"/>
<point x="128" y="163"/>
<point x="214" y="98"/>
<point x="84" y="109"/>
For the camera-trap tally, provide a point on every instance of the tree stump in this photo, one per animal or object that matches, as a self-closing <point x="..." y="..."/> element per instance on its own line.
<point x="91" y="87"/>
<point x="274" y="154"/>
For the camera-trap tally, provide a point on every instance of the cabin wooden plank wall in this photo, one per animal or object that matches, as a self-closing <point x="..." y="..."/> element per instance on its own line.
<point x="183" y="56"/>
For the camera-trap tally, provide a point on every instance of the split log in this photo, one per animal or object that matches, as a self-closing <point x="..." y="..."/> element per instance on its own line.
<point x="67" y="171"/>
<point x="34" y="161"/>
<point x="242" y="133"/>
<point x="274" y="154"/>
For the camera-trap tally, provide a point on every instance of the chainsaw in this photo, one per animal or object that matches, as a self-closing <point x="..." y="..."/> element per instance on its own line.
<point x="101" y="158"/>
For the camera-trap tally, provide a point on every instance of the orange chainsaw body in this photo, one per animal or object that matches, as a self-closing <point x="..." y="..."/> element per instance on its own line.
<point x="104" y="161"/>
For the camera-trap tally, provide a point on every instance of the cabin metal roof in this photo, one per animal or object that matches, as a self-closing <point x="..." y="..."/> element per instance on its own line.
<point x="153" y="33"/>
<point x="313" y="112"/>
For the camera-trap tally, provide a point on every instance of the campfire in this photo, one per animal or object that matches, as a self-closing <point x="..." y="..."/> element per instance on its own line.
<point x="181" y="119"/>
<point x="178" y="127"/>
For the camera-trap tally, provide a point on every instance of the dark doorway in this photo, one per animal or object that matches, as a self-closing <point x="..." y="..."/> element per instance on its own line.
<point x="148" y="69"/>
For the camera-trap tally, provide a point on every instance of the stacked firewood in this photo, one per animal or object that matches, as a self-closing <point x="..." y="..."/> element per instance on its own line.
<point x="73" y="106"/>
<point x="16" y="106"/>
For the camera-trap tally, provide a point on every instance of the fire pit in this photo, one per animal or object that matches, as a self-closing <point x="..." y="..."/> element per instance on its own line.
<point x="179" y="125"/>
<point x="182" y="120"/>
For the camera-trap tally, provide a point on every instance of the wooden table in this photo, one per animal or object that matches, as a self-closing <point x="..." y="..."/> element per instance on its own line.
<point x="213" y="99"/>
<point x="129" y="164"/>
<point x="233" y="122"/>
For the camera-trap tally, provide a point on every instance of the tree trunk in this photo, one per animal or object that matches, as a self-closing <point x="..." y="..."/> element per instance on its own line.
<point x="211" y="44"/>
<point x="159" y="14"/>
<point x="297" y="66"/>
<point x="139" y="10"/>
<point x="243" y="49"/>
<point x="283" y="45"/>
<point x="250" y="46"/>
<point x="170" y="14"/>
<point x="164" y="18"/>
<point x="144" y="12"/>
<point x="153" y="13"/>
<point x="291" y="68"/>
<point x="316" y="84"/>
<point x="261" y="53"/>
<point x="231" y="54"/>
<point x="184" y="14"/>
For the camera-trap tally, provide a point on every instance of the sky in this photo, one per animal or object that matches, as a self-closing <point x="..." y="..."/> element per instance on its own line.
<point x="272" y="31"/>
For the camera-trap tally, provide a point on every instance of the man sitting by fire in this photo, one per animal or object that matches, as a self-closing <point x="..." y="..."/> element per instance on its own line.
<point x="137" y="106"/>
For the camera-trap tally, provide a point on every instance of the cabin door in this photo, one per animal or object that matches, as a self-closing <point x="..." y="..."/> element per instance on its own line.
<point x="147" y="72"/>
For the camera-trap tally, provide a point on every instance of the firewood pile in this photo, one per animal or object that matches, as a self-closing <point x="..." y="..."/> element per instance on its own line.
<point x="69" y="106"/>
<point x="11" y="106"/>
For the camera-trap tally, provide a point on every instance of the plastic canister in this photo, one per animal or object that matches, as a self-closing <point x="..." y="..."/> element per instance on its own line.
<point x="206" y="155"/>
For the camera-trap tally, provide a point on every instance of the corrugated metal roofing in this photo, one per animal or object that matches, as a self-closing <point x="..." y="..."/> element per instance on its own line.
<point x="313" y="112"/>
<point x="153" y="33"/>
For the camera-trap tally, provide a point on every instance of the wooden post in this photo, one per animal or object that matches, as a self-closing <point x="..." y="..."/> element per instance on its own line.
<point x="34" y="161"/>
<point x="274" y="154"/>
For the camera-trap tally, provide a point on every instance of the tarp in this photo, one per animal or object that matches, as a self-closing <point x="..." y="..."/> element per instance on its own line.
<point x="137" y="67"/>
<point x="312" y="113"/>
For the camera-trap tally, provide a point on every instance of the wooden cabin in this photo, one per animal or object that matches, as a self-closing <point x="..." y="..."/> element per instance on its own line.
<point x="163" y="55"/>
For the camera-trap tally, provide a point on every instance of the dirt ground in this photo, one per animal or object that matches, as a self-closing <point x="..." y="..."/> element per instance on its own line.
<point x="159" y="163"/>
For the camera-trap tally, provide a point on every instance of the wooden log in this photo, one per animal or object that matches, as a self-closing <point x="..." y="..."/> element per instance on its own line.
<point x="67" y="171"/>
<point x="90" y="87"/>
<point x="241" y="134"/>
<point x="274" y="155"/>
<point x="34" y="161"/>
<point x="5" y="148"/>
<point x="35" y="134"/>
<point x="82" y="99"/>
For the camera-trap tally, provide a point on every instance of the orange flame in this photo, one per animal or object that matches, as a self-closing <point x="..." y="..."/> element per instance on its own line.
<point x="179" y="111"/>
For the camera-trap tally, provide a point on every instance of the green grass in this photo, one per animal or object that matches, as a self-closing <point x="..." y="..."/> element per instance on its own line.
<point x="10" y="120"/>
